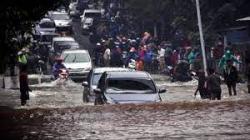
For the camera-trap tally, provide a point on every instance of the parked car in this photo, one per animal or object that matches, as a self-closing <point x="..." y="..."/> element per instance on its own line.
<point x="127" y="87"/>
<point x="62" y="21"/>
<point x="93" y="78"/>
<point x="45" y="25"/>
<point x="87" y="23"/>
<point x="78" y="63"/>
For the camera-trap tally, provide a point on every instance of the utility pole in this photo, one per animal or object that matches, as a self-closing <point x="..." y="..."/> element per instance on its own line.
<point x="201" y="37"/>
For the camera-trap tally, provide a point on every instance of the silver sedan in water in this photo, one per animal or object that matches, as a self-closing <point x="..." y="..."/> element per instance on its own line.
<point x="126" y="88"/>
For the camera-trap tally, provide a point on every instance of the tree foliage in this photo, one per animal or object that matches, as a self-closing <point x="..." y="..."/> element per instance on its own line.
<point x="180" y="15"/>
<point x="17" y="17"/>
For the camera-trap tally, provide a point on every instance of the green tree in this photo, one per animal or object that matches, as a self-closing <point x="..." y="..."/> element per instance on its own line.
<point x="17" y="18"/>
<point x="180" y="15"/>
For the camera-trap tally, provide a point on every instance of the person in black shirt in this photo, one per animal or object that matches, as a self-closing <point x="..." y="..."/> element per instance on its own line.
<point x="231" y="77"/>
<point x="214" y="85"/>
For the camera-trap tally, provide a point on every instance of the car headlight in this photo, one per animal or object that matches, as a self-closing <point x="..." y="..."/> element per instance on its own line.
<point x="110" y="100"/>
<point x="87" y="69"/>
<point x="69" y="23"/>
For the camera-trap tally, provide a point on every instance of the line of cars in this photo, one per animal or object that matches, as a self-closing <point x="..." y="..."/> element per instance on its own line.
<point x="53" y="32"/>
<point x="102" y="85"/>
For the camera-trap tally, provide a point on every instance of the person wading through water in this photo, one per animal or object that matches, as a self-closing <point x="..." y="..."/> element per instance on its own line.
<point x="213" y="85"/>
<point x="201" y="85"/>
<point x="231" y="77"/>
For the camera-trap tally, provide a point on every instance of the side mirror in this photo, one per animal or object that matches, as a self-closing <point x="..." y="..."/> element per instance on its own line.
<point x="97" y="91"/>
<point x="85" y="84"/>
<point x="163" y="90"/>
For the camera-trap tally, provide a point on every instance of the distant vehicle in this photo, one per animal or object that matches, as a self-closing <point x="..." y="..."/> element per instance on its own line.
<point x="93" y="78"/>
<point x="127" y="87"/>
<point x="60" y="44"/>
<point x="81" y="5"/>
<point x="86" y="25"/>
<point x="45" y="38"/>
<point x="91" y="13"/>
<point x="62" y="21"/>
<point x="46" y="25"/>
<point x="73" y="12"/>
<point x="78" y="62"/>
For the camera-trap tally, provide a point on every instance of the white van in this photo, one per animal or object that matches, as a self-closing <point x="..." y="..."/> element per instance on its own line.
<point x="78" y="62"/>
<point x="91" y="13"/>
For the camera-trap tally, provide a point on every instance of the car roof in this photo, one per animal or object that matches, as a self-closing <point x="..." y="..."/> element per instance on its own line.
<point x="93" y="10"/>
<point x="46" y="20"/>
<point x="128" y="75"/>
<point x="63" y="39"/>
<point x="75" y="51"/>
<point x="109" y="69"/>
<point x="49" y="33"/>
<point x="58" y="12"/>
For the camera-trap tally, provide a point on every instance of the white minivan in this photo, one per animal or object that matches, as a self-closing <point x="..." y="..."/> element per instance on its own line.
<point x="78" y="63"/>
<point x="91" y="13"/>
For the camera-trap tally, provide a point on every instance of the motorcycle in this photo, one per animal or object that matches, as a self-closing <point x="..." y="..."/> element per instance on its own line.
<point x="63" y="76"/>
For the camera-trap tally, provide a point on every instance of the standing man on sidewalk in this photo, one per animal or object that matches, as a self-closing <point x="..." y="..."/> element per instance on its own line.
<point x="231" y="77"/>
<point x="24" y="85"/>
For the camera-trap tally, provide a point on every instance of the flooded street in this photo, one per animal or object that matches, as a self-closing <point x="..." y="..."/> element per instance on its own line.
<point x="57" y="112"/>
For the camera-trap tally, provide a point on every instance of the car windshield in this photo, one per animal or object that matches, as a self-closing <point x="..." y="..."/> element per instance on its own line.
<point x="47" y="38"/>
<point x="96" y="78"/>
<point x="60" y="16"/>
<point x="47" y="25"/>
<point x="59" y="46"/>
<point x="93" y="15"/>
<point x="130" y="86"/>
<point x="76" y="57"/>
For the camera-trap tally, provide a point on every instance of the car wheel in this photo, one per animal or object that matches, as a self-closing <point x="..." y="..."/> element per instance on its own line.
<point x="98" y="101"/>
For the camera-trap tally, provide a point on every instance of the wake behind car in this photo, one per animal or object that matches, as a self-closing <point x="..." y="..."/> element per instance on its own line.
<point x="126" y="88"/>
<point x="78" y="63"/>
<point x="93" y="78"/>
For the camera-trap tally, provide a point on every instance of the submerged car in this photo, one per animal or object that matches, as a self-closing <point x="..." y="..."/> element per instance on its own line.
<point x="134" y="87"/>
<point x="78" y="63"/>
<point x="93" y="78"/>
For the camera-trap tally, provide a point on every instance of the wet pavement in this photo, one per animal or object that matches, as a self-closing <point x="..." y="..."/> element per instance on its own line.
<point x="57" y="112"/>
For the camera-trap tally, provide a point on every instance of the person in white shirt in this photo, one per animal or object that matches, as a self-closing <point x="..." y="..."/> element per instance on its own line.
<point x="161" y="58"/>
<point x="107" y="57"/>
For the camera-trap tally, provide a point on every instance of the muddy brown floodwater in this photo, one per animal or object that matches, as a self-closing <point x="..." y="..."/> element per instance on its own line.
<point x="59" y="113"/>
